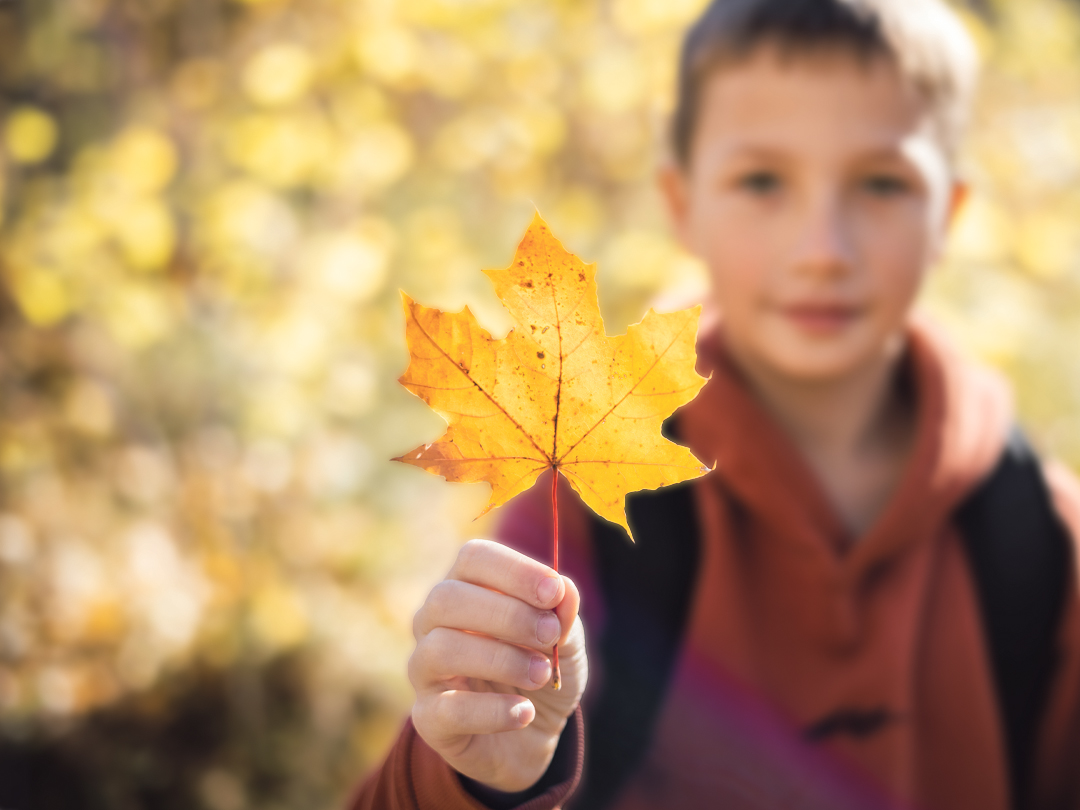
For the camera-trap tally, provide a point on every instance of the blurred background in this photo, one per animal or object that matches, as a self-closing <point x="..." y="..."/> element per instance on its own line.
<point x="208" y="567"/>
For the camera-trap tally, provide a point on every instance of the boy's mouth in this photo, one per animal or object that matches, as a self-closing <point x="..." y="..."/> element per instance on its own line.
<point x="820" y="319"/>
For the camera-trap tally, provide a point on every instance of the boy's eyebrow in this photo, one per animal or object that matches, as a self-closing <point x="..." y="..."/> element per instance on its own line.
<point x="892" y="152"/>
<point x="757" y="151"/>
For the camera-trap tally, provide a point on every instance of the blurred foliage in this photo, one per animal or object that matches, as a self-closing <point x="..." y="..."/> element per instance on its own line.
<point x="207" y="567"/>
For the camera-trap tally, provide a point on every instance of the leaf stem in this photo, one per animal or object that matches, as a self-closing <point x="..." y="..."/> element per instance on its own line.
<point x="556" y="676"/>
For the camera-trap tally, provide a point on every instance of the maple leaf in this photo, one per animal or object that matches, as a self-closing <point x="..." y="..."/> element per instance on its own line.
<point x="556" y="392"/>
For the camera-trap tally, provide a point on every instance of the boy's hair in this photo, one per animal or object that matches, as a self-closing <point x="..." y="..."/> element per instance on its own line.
<point x="924" y="38"/>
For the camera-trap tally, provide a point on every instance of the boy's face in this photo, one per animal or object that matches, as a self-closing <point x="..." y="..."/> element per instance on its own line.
<point x="818" y="196"/>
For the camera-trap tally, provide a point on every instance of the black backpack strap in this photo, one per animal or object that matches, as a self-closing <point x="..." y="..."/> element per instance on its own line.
<point x="647" y="587"/>
<point x="1019" y="554"/>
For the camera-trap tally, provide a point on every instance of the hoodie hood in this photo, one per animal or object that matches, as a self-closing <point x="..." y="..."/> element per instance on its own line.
<point x="963" y="413"/>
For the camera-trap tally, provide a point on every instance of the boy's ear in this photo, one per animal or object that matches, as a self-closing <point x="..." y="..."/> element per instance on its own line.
<point x="960" y="193"/>
<point x="672" y="182"/>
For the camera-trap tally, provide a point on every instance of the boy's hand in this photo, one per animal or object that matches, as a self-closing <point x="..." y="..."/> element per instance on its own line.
<point x="482" y="669"/>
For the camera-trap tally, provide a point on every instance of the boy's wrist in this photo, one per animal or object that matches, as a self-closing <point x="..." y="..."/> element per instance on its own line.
<point x="552" y="788"/>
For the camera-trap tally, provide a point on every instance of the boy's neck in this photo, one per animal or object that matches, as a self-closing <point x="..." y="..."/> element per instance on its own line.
<point x="854" y="431"/>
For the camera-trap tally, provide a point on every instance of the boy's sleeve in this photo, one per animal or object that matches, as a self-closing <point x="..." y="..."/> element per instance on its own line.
<point x="415" y="777"/>
<point x="1058" y="780"/>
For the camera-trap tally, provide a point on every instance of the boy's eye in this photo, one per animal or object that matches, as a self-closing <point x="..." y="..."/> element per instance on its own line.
<point x="760" y="182"/>
<point x="885" y="185"/>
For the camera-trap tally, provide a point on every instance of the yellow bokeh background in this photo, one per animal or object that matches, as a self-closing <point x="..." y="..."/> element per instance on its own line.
<point x="208" y="567"/>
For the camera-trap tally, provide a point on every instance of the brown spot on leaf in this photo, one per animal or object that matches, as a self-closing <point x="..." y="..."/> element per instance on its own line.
<point x="540" y="355"/>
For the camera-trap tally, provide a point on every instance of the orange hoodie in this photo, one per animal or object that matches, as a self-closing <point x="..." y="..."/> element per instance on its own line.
<point x="793" y="621"/>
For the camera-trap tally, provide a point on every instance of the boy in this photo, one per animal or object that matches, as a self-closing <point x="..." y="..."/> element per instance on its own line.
<point x="834" y="650"/>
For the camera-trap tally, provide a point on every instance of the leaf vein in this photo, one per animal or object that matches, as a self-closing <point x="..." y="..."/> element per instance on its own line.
<point x="479" y="387"/>
<point x="655" y="362"/>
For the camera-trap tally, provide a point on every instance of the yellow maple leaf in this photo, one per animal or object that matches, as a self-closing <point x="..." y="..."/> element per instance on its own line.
<point x="556" y="392"/>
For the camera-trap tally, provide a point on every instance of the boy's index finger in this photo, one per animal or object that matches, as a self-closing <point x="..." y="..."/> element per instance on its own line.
<point x="493" y="565"/>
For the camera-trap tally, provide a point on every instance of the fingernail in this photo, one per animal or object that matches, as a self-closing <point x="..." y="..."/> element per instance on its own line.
<point x="521" y="713"/>
<point x="539" y="670"/>
<point x="546" y="590"/>
<point x="547" y="629"/>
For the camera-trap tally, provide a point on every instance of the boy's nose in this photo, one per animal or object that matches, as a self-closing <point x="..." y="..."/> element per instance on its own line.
<point x="823" y="246"/>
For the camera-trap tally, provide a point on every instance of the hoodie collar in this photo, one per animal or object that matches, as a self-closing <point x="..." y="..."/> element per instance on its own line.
<point x="962" y="417"/>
